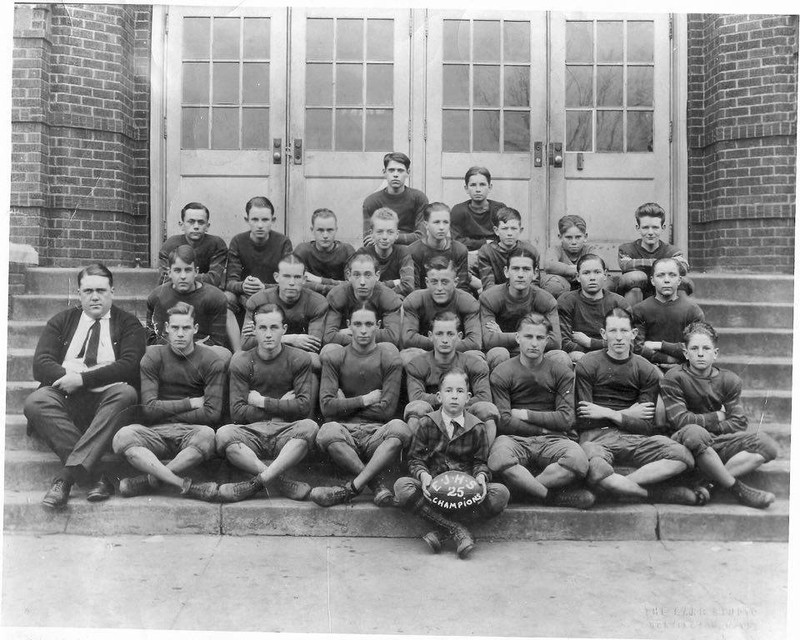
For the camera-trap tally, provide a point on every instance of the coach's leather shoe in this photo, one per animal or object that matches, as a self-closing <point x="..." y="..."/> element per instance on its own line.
<point x="752" y="497"/>
<point x="57" y="495"/>
<point x="102" y="490"/>
<point x="677" y="495"/>
<point x="206" y="491"/>
<point x="329" y="496"/>
<point x="136" y="486"/>
<point x="292" y="489"/>
<point x="236" y="491"/>
<point x="575" y="498"/>
<point x="382" y="495"/>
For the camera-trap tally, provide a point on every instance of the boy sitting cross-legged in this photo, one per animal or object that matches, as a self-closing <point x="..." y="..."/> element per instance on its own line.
<point x="450" y="439"/>
<point x="704" y="411"/>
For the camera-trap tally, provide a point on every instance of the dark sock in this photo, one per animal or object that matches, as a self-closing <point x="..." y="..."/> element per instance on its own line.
<point x="68" y="476"/>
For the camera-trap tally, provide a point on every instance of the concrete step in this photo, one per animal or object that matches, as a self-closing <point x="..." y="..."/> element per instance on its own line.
<point x="724" y="313"/>
<point x="164" y="515"/>
<point x="765" y="405"/>
<point x="745" y="287"/>
<point x="24" y="334"/>
<point x="19" y="364"/>
<point x="43" y="307"/>
<point x="760" y="372"/>
<point x="757" y="342"/>
<point x="54" y="280"/>
<point x="16" y="392"/>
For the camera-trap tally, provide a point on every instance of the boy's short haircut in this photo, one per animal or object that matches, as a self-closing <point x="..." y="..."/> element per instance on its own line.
<point x="434" y="206"/>
<point x="439" y="263"/>
<point x="700" y="327"/>
<point x="650" y="210"/>
<point x="96" y="269"/>
<point x="360" y="254"/>
<point x="618" y="312"/>
<point x="397" y="156"/>
<point x="477" y="171"/>
<point x="522" y="252"/>
<point x="567" y="222"/>
<point x="536" y="319"/>
<point x="195" y="205"/>
<point x="447" y="316"/>
<point x="384" y="213"/>
<point x="365" y="306"/>
<point x="656" y="263"/>
<point x="323" y="213"/>
<point x="185" y="252"/>
<point x="586" y="258"/>
<point x="455" y="371"/>
<point x="181" y="309"/>
<point x="291" y="258"/>
<point x="269" y="307"/>
<point x="505" y="214"/>
<point x="259" y="201"/>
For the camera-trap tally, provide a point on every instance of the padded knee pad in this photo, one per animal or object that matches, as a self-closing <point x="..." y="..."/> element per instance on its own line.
<point x="496" y="356"/>
<point x="484" y="411"/>
<point x="406" y="492"/>
<point x="416" y="409"/>
<point x="767" y="447"/>
<point x="224" y="438"/>
<point x="400" y="430"/>
<point x="307" y="430"/>
<point x="329" y="433"/>
<point x="125" y="438"/>
<point x="694" y="437"/>
<point x="204" y="440"/>
<point x="598" y="471"/>
<point x="501" y="455"/>
<point x="631" y="280"/>
<point x="555" y="285"/>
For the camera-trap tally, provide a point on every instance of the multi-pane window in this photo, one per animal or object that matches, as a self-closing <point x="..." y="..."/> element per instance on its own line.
<point x="349" y="84"/>
<point x="225" y="71"/>
<point x="486" y="86"/>
<point x="609" y="85"/>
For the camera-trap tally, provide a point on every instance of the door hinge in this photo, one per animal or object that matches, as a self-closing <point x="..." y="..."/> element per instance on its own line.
<point x="670" y="130"/>
<point x="671" y="19"/>
<point x="409" y="129"/>
<point x="425" y="129"/>
<point x="166" y="21"/>
<point x="164" y="126"/>
<point x="410" y="23"/>
<point x="426" y="24"/>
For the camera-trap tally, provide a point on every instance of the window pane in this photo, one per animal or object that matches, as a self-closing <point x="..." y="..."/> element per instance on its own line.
<point x="226" y="83"/>
<point x="348" y="130"/>
<point x="640" y="41"/>
<point x="195" y="82"/>
<point x="579" y="86"/>
<point x="517" y="89"/>
<point x="579" y="42"/>
<point x="319" y="84"/>
<point x="640" y="86"/>
<point x="579" y="130"/>
<point x="517" y="41"/>
<point x="349" y="84"/>
<point x="609" y="131"/>
<point x="256" y="38"/>
<point x="255" y="83"/>
<point x="486" y="87"/>
<point x="255" y="128"/>
<point x="379" y="129"/>
<point x="319" y="39"/>
<point x="455" y="85"/>
<point x="225" y="128"/>
<point x="196" y="38"/>
<point x="380" y="39"/>
<point x="455" y="130"/>
<point x="194" y="128"/>
<point x="349" y="40"/>
<point x="517" y="131"/>
<point x="456" y="40"/>
<point x="486" y="41"/>
<point x="609" y="86"/>
<point x="640" y="130"/>
<point x="609" y="41"/>
<point x="318" y="129"/>
<point x="226" y="38"/>
<point x="380" y="85"/>
<point x="486" y="130"/>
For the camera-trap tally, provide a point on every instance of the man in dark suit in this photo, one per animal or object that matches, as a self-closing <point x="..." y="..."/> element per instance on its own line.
<point x="87" y="361"/>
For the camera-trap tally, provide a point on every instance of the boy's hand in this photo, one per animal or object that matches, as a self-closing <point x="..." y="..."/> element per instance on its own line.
<point x="313" y="278"/>
<point x="592" y="410"/>
<point x="641" y="410"/>
<point x="368" y="240"/>
<point x="721" y="415"/>
<point x="652" y="345"/>
<point x="481" y="478"/>
<point x="289" y="395"/>
<point x="303" y="341"/>
<point x="493" y="327"/>
<point x="347" y="331"/>
<point x="581" y="339"/>
<point x="373" y="397"/>
<point x="252" y="285"/>
<point x="255" y="399"/>
<point x="519" y="414"/>
<point x="425" y="478"/>
<point x="196" y="403"/>
<point x="248" y="329"/>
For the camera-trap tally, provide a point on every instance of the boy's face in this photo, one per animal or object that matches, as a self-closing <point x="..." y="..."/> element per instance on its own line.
<point x="195" y="224"/>
<point x="650" y="229"/>
<point x="180" y="329"/>
<point x="453" y="394"/>
<point x="442" y="285"/>
<point x="520" y="273"/>
<point x="269" y="330"/>
<point x="182" y="275"/>
<point x="572" y="240"/>
<point x="384" y="233"/>
<point x="363" y="324"/>
<point x="478" y="188"/>
<point x="591" y="276"/>
<point x="508" y="232"/>
<point x="666" y="278"/>
<point x="290" y="279"/>
<point x="363" y="278"/>
<point x="438" y="224"/>
<point x="445" y="336"/>
<point x="260" y="220"/>
<point x="396" y="175"/>
<point x="324" y="231"/>
<point x="619" y="335"/>
<point x="532" y="340"/>
<point x="701" y="353"/>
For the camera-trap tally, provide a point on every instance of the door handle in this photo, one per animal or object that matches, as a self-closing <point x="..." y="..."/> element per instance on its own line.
<point x="298" y="151"/>
<point x="555" y="155"/>
<point x="537" y="154"/>
<point x="277" y="150"/>
<point x="580" y="161"/>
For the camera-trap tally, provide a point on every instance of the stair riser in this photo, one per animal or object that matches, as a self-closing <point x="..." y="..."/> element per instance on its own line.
<point x="768" y="408"/>
<point x="36" y="308"/>
<point x="762" y="375"/>
<point x="129" y="282"/>
<point x="755" y="343"/>
<point x="729" y="314"/>
<point x="24" y="337"/>
<point x="746" y="288"/>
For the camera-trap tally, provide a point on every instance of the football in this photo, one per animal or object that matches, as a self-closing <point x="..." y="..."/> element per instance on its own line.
<point x="455" y="490"/>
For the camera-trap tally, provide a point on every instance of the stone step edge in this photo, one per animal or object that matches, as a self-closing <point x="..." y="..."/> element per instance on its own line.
<point x="718" y="302"/>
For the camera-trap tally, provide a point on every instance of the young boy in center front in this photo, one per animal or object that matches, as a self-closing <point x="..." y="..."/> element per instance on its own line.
<point x="450" y="439"/>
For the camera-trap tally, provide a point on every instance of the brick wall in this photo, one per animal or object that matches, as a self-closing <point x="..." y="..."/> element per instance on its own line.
<point x="80" y="119"/>
<point x="742" y="128"/>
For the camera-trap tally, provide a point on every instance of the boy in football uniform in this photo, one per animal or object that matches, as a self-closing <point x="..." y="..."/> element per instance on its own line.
<point x="437" y="243"/>
<point x="324" y="256"/>
<point x="392" y="261"/>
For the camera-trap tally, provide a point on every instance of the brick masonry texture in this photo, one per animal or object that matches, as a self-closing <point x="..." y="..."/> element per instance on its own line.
<point x="80" y="129"/>
<point x="742" y="128"/>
